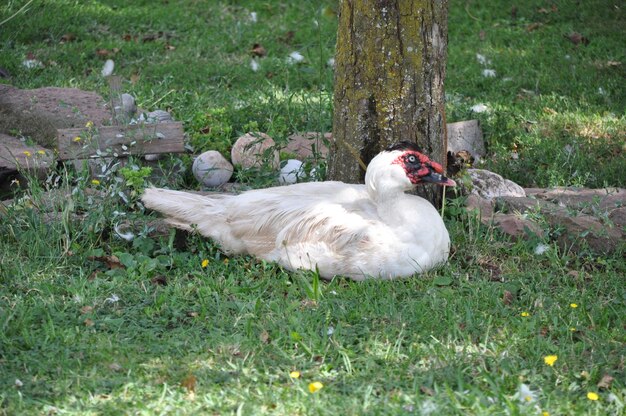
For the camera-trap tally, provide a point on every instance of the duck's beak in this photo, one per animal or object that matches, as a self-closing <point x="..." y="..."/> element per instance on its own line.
<point x="437" y="178"/>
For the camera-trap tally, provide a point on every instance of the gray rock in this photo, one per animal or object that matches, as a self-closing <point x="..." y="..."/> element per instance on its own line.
<point x="490" y="185"/>
<point x="466" y="135"/>
<point x="159" y="116"/>
<point x="212" y="169"/>
<point x="253" y="150"/>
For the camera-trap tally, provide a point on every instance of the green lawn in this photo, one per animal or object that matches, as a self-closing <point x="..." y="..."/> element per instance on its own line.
<point x="155" y="332"/>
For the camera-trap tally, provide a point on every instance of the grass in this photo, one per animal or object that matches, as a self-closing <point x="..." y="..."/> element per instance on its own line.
<point x="156" y="332"/>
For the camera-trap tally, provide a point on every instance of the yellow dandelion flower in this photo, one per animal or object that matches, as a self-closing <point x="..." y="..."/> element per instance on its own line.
<point x="77" y="139"/>
<point x="544" y="413"/>
<point x="315" y="386"/>
<point x="550" y="359"/>
<point x="89" y="124"/>
<point x="294" y="374"/>
<point x="525" y="314"/>
<point x="592" y="396"/>
<point x="95" y="182"/>
<point x="41" y="152"/>
<point x="205" y="263"/>
<point x="573" y="305"/>
<point x="572" y="329"/>
<point x="27" y="153"/>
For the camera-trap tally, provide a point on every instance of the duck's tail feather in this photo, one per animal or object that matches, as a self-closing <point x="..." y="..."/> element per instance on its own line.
<point x="182" y="210"/>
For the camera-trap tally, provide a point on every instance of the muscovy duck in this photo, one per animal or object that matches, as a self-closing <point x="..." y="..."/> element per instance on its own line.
<point x="374" y="230"/>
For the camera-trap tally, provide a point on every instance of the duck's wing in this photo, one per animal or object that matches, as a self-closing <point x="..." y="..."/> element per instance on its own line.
<point x="326" y="214"/>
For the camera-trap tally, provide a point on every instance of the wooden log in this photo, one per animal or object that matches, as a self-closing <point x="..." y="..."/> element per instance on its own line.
<point x="16" y="155"/>
<point x="119" y="141"/>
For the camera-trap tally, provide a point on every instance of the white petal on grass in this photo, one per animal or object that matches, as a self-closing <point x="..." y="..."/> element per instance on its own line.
<point x="254" y="65"/>
<point x="482" y="59"/>
<point x="541" y="248"/>
<point x="18" y="382"/>
<point x="113" y="299"/>
<point x="525" y="394"/>
<point x="428" y="407"/>
<point x="479" y="108"/>
<point x="253" y="17"/>
<point x="108" y="67"/>
<point x="128" y="236"/>
<point x="32" y="63"/>
<point x="489" y="73"/>
<point x="295" y="57"/>
<point x="331" y="62"/>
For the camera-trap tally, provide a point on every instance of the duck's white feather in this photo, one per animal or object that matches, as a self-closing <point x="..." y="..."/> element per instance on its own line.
<point x="338" y="228"/>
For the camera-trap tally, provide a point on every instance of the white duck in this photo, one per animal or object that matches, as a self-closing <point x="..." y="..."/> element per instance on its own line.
<point x="359" y="231"/>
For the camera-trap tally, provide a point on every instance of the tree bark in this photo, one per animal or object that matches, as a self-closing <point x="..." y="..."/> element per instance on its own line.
<point x="389" y="74"/>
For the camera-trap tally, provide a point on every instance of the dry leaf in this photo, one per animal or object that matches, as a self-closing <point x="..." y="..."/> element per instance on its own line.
<point x="577" y="38"/>
<point x="258" y="50"/>
<point x="127" y="37"/>
<point x="134" y="78"/>
<point x="112" y="262"/>
<point x="86" y="309"/>
<point x="103" y="52"/>
<point x="264" y="337"/>
<point x="68" y="37"/>
<point x="287" y="37"/>
<point x="482" y="35"/>
<point x="115" y="367"/>
<point x="605" y="382"/>
<point x="159" y="280"/>
<point x="533" y="26"/>
<point x="507" y="298"/>
<point x="192" y="314"/>
<point x="150" y="37"/>
<point x="189" y="383"/>
<point x="427" y="390"/>
<point x="88" y="322"/>
<point x="169" y="47"/>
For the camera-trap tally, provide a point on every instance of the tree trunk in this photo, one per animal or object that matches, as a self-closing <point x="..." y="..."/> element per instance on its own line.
<point x="390" y="68"/>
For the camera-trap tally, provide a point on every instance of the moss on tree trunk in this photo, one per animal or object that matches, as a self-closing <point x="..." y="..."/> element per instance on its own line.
<point x="390" y="68"/>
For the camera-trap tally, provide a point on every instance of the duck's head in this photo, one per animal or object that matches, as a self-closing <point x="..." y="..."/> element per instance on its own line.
<point x="401" y="167"/>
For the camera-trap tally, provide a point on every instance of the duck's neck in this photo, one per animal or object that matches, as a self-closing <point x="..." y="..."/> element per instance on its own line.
<point x="390" y="204"/>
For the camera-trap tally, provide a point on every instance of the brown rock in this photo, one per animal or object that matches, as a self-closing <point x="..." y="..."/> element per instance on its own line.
<point x="582" y="199"/>
<point x="253" y="150"/>
<point x="618" y="217"/>
<point x="483" y="207"/>
<point x="516" y="226"/>
<point x="39" y="112"/>
<point x="581" y="229"/>
<point x="309" y="144"/>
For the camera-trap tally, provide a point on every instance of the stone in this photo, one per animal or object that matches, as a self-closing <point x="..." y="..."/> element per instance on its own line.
<point x="490" y="185"/>
<point x="212" y="169"/>
<point x="482" y="206"/>
<point x="291" y="172"/>
<point x="159" y="116"/>
<point x="128" y="106"/>
<point x="517" y="226"/>
<point x="38" y="113"/>
<point x="308" y="145"/>
<point x="582" y="199"/>
<point x="466" y="136"/>
<point x="253" y="150"/>
<point x="618" y="218"/>
<point x="580" y="231"/>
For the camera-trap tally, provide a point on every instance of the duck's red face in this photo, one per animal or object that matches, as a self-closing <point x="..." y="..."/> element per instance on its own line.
<point x="419" y="169"/>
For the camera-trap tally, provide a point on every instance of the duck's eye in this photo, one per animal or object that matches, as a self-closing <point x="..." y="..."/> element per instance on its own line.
<point x="412" y="159"/>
